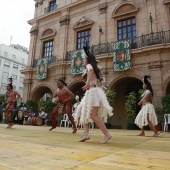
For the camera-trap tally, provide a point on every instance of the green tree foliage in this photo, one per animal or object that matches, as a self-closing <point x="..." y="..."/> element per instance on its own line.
<point x="48" y="105"/>
<point x="31" y="103"/>
<point x="111" y="94"/>
<point x="2" y="98"/>
<point x="130" y="107"/>
<point x="166" y="104"/>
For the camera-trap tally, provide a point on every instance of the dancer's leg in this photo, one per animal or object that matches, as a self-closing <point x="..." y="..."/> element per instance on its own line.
<point x="152" y="127"/>
<point x="69" y="113"/>
<point x="53" y="118"/>
<point x="100" y="124"/>
<point x="86" y="133"/>
<point x="142" y="133"/>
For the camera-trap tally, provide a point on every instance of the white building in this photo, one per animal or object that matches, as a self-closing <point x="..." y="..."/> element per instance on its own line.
<point x="13" y="58"/>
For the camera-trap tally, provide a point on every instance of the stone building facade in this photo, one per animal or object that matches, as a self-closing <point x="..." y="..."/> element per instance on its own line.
<point x="61" y="26"/>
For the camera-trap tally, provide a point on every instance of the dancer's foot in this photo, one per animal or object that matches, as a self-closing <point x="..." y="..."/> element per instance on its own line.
<point x="106" y="138"/>
<point x="84" y="137"/>
<point x="52" y="128"/>
<point x="141" y="134"/>
<point x="10" y="125"/>
<point x="156" y="134"/>
<point x="74" y="130"/>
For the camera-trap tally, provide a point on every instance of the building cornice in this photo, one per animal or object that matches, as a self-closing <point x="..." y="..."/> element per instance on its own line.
<point x="57" y="11"/>
<point x="8" y="59"/>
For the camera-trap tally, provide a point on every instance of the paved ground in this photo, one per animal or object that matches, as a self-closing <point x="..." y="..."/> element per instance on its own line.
<point x="35" y="148"/>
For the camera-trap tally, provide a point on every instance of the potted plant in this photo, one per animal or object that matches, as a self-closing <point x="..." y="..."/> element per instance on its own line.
<point x="160" y="118"/>
<point x="131" y="109"/>
<point x="110" y="94"/>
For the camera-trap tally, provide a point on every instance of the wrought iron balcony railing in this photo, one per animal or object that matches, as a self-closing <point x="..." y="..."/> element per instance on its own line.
<point x="154" y="38"/>
<point x="51" y="59"/>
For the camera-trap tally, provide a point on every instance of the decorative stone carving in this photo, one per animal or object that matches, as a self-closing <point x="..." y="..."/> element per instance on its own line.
<point x="36" y="4"/>
<point x="102" y="8"/>
<point x="64" y="20"/>
<point x="48" y="33"/>
<point x="166" y="2"/>
<point x="125" y="8"/>
<point x="41" y="2"/>
<point x="83" y="22"/>
<point x="34" y="31"/>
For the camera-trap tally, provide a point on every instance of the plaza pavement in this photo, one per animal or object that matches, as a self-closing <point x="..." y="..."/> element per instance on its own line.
<point x="35" y="148"/>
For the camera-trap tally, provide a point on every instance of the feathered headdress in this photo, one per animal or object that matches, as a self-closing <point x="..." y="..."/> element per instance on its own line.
<point x="86" y="49"/>
<point x="145" y="79"/>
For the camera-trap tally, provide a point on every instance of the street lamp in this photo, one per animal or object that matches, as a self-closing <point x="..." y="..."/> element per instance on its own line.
<point x="151" y="20"/>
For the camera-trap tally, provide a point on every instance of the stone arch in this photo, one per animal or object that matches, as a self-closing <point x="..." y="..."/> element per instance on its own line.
<point x="39" y="92"/>
<point x="48" y="32"/>
<point x="123" y="85"/>
<point x="76" y="87"/>
<point x="125" y="8"/>
<point x="166" y="84"/>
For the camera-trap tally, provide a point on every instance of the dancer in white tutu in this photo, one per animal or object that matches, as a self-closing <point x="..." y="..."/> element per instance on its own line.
<point x="147" y="115"/>
<point x="94" y="105"/>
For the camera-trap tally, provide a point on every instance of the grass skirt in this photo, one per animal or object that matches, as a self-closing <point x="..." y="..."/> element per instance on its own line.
<point x="141" y="119"/>
<point x="83" y="110"/>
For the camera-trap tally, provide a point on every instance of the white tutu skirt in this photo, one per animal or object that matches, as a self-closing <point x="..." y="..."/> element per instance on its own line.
<point x="94" y="97"/>
<point x="141" y="119"/>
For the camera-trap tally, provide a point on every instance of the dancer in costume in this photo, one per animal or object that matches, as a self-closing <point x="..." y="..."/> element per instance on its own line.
<point x="63" y="96"/>
<point x="94" y="105"/>
<point x="12" y="97"/>
<point x="74" y="109"/>
<point x="147" y="115"/>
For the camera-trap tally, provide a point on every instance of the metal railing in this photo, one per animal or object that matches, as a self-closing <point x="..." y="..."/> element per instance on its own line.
<point x="154" y="38"/>
<point x="51" y="59"/>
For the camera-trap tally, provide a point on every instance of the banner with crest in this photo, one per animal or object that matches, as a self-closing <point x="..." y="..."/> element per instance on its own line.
<point x="77" y="61"/>
<point x="41" y="69"/>
<point x="121" y="55"/>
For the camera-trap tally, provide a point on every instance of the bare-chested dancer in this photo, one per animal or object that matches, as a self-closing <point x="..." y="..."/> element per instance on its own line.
<point x="12" y="97"/>
<point x="63" y="95"/>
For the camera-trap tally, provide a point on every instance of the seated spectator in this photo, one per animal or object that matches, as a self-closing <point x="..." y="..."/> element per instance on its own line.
<point x="30" y="114"/>
<point x="42" y="115"/>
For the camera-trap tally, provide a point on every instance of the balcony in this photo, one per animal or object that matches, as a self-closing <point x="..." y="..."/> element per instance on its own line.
<point x="51" y="59"/>
<point x="154" y="38"/>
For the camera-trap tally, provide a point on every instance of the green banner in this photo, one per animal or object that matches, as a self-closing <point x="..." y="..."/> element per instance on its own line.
<point x="41" y="69"/>
<point x="121" y="55"/>
<point x="77" y="61"/>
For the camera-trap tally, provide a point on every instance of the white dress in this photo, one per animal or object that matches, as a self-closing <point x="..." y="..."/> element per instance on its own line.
<point x="93" y="97"/>
<point x="147" y="109"/>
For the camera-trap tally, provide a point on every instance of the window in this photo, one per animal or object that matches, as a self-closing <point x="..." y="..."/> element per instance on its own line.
<point x="82" y="37"/>
<point x="127" y="29"/>
<point x="14" y="57"/>
<point x="3" y="88"/>
<point x="5" y="75"/>
<point x="14" y="77"/>
<point x="6" y="64"/>
<point x="52" y="6"/>
<point x="21" y="79"/>
<point x="48" y="49"/>
<point x="15" y="67"/>
<point x="5" y="54"/>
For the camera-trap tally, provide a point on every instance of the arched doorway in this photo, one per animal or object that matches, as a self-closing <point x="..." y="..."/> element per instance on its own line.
<point x="168" y="89"/>
<point x="123" y="87"/>
<point x="39" y="92"/>
<point x="76" y="88"/>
